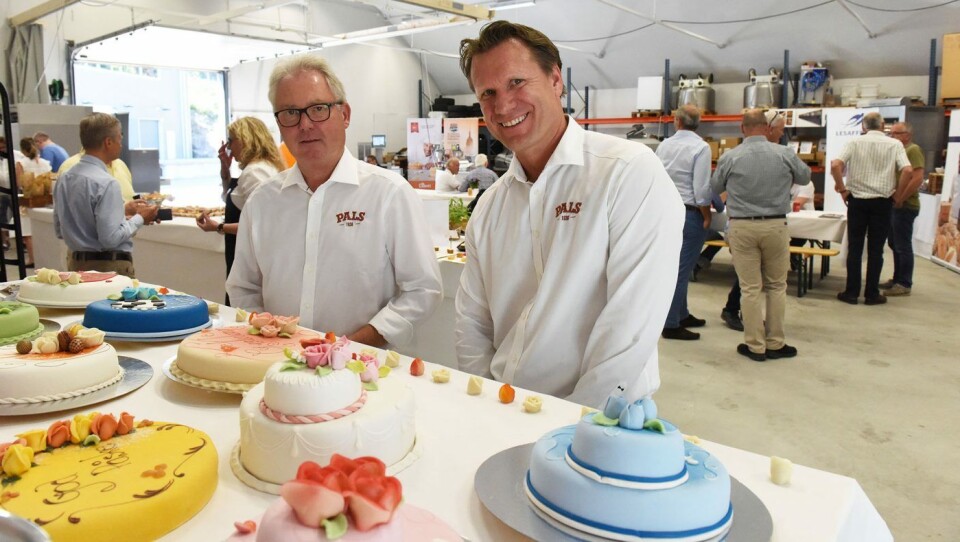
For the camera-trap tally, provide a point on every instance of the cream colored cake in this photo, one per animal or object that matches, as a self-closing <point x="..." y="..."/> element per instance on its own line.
<point x="233" y="355"/>
<point x="50" y="287"/>
<point x="38" y="376"/>
<point x="311" y="413"/>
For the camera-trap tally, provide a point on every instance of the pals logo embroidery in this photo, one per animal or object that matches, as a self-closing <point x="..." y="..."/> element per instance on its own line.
<point x="350" y="218"/>
<point x="568" y="210"/>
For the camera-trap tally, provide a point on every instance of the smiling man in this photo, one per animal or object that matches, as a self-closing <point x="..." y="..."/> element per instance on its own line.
<point x="573" y="253"/>
<point x="335" y="240"/>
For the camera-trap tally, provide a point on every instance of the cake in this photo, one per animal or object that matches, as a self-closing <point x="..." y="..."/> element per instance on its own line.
<point x="102" y="477"/>
<point x="320" y="402"/>
<point x="57" y="366"/>
<point x="624" y="474"/>
<point x="235" y="358"/>
<point x="145" y="311"/>
<point x="50" y="287"/>
<point x="351" y="500"/>
<point x="18" y="321"/>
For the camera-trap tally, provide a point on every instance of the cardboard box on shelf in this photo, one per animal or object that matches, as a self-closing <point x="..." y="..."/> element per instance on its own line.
<point x="807" y="149"/>
<point x="934" y="183"/>
<point x="950" y="72"/>
<point x="821" y="157"/>
<point x="714" y="149"/>
<point x="729" y="142"/>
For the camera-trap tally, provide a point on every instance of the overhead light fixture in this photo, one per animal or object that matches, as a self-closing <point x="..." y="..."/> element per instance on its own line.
<point x="405" y="28"/>
<point x="511" y="4"/>
<point x="474" y="11"/>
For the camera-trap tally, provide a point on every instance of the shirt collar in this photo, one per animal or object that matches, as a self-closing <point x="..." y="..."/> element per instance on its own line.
<point x="568" y="152"/>
<point x="755" y="139"/>
<point x="345" y="172"/>
<point x="876" y="133"/>
<point x="93" y="161"/>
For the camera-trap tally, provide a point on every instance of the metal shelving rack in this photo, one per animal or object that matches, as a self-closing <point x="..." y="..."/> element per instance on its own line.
<point x="16" y="227"/>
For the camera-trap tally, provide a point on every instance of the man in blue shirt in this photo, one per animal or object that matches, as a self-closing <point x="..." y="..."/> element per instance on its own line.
<point x="88" y="210"/>
<point x="686" y="157"/>
<point x="50" y="151"/>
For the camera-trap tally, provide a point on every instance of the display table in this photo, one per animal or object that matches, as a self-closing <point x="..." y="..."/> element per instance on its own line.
<point x="817" y="225"/>
<point x="436" y="212"/>
<point x="176" y="254"/>
<point x="457" y="432"/>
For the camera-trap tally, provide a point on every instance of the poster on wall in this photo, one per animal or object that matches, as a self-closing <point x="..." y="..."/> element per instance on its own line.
<point x="460" y="138"/>
<point x="946" y="244"/>
<point x="424" y="150"/>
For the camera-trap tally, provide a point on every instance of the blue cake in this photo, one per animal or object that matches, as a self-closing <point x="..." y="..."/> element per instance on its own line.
<point x="142" y="310"/>
<point x="624" y="474"/>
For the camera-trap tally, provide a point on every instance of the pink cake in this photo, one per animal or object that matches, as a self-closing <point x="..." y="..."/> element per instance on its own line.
<point x="350" y="500"/>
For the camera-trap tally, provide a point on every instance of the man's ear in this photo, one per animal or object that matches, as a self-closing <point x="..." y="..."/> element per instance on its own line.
<point x="556" y="80"/>
<point x="346" y="114"/>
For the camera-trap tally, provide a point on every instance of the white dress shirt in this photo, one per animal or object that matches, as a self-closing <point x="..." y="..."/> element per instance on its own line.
<point x="446" y="181"/>
<point x="803" y="191"/>
<point x="354" y="252"/>
<point x="686" y="157"/>
<point x="250" y="178"/>
<point x="568" y="280"/>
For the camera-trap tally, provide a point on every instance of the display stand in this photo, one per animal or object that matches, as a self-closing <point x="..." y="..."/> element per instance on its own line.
<point x="11" y="192"/>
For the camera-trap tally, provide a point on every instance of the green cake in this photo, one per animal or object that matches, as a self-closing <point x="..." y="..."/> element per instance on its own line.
<point x="18" y="321"/>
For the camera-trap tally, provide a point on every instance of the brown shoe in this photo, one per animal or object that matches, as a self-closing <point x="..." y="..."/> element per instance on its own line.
<point x="896" y="290"/>
<point x="879" y="300"/>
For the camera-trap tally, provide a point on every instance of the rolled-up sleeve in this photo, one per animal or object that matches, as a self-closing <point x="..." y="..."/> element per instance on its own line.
<point x="409" y="248"/>
<point x="474" y="323"/>
<point x="245" y="283"/>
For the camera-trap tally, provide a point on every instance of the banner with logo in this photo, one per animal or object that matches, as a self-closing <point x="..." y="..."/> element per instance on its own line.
<point x="460" y="138"/>
<point x="843" y="125"/>
<point x="424" y="150"/>
<point x="946" y="244"/>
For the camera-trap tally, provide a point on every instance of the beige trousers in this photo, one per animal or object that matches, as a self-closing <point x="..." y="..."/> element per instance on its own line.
<point x="122" y="267"/>
<point x="761" y="256"/>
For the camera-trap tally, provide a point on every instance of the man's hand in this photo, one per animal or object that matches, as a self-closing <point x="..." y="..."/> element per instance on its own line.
<point x="205" y="223"/>
<point x="130" y="208"/>
<point x="844" y="195"/>
<point x="367" y="335"/>
<point x="148" y="212"/>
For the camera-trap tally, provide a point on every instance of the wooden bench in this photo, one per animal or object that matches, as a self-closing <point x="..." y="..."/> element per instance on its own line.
<point x="806" y="253"/>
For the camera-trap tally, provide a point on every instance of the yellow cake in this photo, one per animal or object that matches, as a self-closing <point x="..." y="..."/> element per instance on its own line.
<point x="125" y="487"/>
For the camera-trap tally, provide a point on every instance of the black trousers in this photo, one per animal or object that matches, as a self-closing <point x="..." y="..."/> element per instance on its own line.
<point x="868" y="221"/>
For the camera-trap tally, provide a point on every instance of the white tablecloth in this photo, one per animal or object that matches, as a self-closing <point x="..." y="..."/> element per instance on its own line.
<point x="457" y="432"/>
<point x="816" y="225"/>
<point x="176" y="254"/>
<point x="436" y="212"/>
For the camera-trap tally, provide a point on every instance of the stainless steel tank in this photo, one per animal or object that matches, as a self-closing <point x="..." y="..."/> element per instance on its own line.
<point x="764" y="91"/>
<point x="697" y="92"/>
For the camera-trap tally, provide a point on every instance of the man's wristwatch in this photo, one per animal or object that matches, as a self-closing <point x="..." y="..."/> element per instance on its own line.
<point x="220" y="228"/>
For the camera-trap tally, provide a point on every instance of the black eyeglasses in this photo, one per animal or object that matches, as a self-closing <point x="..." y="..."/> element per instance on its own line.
<point x="289" y="118"/>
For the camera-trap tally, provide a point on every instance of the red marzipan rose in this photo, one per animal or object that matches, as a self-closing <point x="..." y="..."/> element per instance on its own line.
<point x="316" y="494"/>
<point x="370" y="466"/>
<point x="373" y="500"/>
<point x="58" y="434"/>
<point x="104" y="426"/>
<point x="125" y="425"/>
<point x="313" y="341"/>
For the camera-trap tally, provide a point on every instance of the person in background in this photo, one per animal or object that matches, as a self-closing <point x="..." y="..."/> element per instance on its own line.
<point x="481" y="174"/>
<point x="686" y="157"/>
<point x="5" y="202"/>
<point x="288" y="160"/>
<point x="372" y="160"/>
<point x="446" y="180"/>
<point x="50" y="151"/>
<point x="88" y="212"/>
<point x="32" y="162"/>
<point x="906" y="208"/>
<point x="872" y="162"/>
<point x="251" y="144"/>
<point x="574" y="251"/>
<point x="756" y="176"/>
<point x="117" y="169"/>
<point x="335" y="240"/>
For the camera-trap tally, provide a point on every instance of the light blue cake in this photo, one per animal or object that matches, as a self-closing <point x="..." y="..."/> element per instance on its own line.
<point x="625" y="475"/>
<point x="141" y="310"/>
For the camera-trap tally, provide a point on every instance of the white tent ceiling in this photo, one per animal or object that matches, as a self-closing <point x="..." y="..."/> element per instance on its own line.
<point x="607" y="43"/>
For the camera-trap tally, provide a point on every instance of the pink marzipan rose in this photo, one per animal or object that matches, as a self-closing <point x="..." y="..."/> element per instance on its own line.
<point x="269" y="331"/>
<point x="260" y="319"/>
<point x="316" y="494"/>
<point x="287" y="324"/>
<point x="317" y="355"/>
<point x="58" y="434"/>
<point x="339" y="357"/>
<point x="373" y="500"/>
<point x="372" y="371"/>
<point x="104" y="426"/>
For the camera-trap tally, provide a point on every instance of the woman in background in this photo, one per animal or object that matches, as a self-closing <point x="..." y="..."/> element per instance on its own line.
<point x="250" y="143"/>
<point x="31" y="162"/>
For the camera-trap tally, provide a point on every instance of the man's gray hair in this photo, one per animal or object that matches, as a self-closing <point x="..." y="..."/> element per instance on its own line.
<point x="873" y="121"/>
<point x="481" y="160"/>
<point x="95" y="128"/>
<point x="305" y="62"/>
<point x="689" y="116"/>
<point x="907" y="127"/>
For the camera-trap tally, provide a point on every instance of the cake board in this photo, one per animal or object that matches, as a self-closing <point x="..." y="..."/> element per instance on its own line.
<point x="16" y="528"/>
<point x="136" y="373"/>
<point x="268" y="487"/>
<point x="171" y="371"/>
<point x="155" y="337"/>
<point x="499" y="485"/>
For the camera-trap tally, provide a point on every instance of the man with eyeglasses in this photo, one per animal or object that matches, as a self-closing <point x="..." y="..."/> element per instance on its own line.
<point x="872" y="164"/>
<point x="335" y="240"/>
<point x="906" y="207"/>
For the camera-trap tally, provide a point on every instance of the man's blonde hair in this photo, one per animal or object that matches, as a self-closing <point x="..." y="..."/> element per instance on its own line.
<point x="305" y="62"/>
<point x="95" y="128"/>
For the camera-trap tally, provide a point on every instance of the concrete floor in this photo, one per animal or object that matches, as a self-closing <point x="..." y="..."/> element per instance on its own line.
<point x="873" y="393"/>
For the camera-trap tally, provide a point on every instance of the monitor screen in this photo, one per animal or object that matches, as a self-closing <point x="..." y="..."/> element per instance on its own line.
<point x="378" y="141"/>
